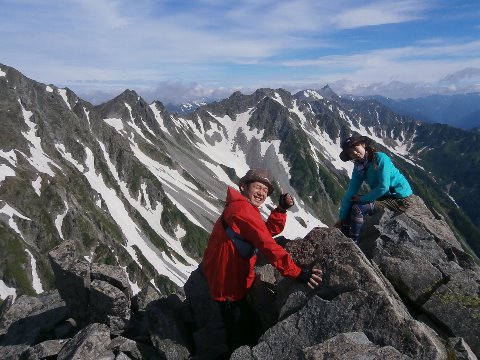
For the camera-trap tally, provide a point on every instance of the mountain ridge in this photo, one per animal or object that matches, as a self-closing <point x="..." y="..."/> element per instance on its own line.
<point x="139" y="187"/>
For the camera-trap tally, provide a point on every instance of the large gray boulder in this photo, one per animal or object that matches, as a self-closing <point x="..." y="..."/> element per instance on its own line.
<point x="133" y="349"/>
<point x="44" y="350"/>
<point x="168" y="332"/>
<point x="72" y="279"/>
<point x="28" y="321"/>
<point x="354" y="297"/>
<point x="90" y="343"/>
<point x="208" y="330"/>
<point x="94" y="293"/>
<point x="352" y="346"/>
<point x="420" y="256"/>
<point x="138" y="329"/>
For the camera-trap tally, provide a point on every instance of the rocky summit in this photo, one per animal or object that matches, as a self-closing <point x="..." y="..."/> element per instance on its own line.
<point x="406" y="291"/>
<point x="105" y="211"/>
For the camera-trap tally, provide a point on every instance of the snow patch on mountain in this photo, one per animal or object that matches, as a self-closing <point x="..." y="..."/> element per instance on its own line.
<point x="312" y="94"/>
<point x="87" y="114"/>
<point x="49" y="89"/>
<point x="134" y="126"/>
<point x="133" y="285"/>
<point x="5" y="171"/>
<point x="152" y="216"/>
<point x="6" y="291"/>
<point x="2" y="73"/>
<point x="219" y="173"/>
<point x="278" y="99"/>
<point x="36" y="282"/>
<point x="39" y="160"/>
<point x="281" y="158"/>
<point x="133" y="234"/>
<point x="294" y="229"/>
<point x="322" y="142"/>
<point x="159" y="118"/>
<point x="10" y="156"/>
<point x="117" y="124"/>
<point x="63" y="94"/>
<point x="10" y="212"/>
<point x="223" y="150"/>
<point x="180" y="232"/>
<point x="59" y="220"/>
<point x="174" y="182"/>
<point x="37" y="185"/>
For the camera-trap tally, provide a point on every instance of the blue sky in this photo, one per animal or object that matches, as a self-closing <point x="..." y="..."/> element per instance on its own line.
<point x="180" y="50"/>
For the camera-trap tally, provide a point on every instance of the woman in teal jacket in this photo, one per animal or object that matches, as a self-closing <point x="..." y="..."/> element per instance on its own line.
<point x="388" y="187"/>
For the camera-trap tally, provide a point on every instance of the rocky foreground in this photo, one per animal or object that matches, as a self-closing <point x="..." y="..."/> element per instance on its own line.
<point x="408" y="291"/>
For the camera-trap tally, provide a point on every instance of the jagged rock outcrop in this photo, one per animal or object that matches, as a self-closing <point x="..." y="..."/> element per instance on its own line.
<point x="354" y="296"/>
<point x="44" y="350"/>
<point x="408" y="291"/>
<point x="352" y="346"/>
<point x="168" y="332"/>
<point x="92" y="292"/>
<point x="90" y="343"/>
<point x="209" y="333"/>
<point x="29" y="321"/>
<point x="422" y="259"/>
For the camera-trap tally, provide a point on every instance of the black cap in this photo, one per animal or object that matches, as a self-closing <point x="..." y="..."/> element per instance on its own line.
<point x="351" y="141"/>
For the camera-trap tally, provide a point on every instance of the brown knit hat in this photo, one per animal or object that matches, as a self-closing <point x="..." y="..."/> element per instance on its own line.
<point x="259" y="175"/>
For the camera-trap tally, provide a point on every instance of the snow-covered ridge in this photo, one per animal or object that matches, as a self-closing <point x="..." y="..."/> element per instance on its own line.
<point x="36" y="282"/>
<point x="5" y="171"/>
<point x="312" y="94"/>
<point x="162" y="263"/>
<point x="10" y="213"/>
<point x="63" y="94"/>
<point x="38" y="159"/>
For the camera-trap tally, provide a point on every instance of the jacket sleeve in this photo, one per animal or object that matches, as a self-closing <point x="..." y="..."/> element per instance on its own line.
<point x="276" y="222"/>
<point x="353" y="188"/>
<point x="384" y="168"/>
<point x="252" y="227"/>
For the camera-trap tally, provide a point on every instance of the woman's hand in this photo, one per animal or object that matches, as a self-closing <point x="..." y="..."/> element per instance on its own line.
<point x="355" y="198"/>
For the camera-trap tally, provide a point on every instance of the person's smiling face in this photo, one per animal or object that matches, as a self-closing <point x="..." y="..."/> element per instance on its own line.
<point x="357" y="151"/>
<point x="256" y="193"/>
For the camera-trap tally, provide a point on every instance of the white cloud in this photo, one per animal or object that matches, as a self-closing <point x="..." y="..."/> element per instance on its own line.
<point x="384" y="12"/>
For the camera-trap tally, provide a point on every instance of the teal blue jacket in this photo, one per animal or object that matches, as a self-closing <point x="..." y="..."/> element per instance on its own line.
<point x="386" y="180"/>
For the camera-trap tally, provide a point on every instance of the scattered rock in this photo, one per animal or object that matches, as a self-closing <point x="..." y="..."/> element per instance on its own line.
<point x="460" y="349"/>
<point x="353" y="297"/>
<point x="90" y="343"/>
<point x="353" y="345"/>
<point x="28" y="321"/>
<point x="46" y="349"/>
<point x="367" y="306"/>
<point x="418" y="253"/>
<point x="93" y="292"/>
<point x="133" y="349"/>
<point x="72" y="279"/>
<point x="168" y="332"/>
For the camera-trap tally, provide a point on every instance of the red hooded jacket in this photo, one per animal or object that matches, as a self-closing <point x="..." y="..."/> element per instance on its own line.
<point x="229" y="276"/>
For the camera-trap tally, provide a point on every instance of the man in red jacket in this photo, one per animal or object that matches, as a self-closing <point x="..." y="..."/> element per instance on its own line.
<point x="229" y="259"/>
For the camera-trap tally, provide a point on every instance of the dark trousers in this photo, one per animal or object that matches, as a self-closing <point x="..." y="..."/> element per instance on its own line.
<point x="353" y="224"/>
<point x="242" y="324"/>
